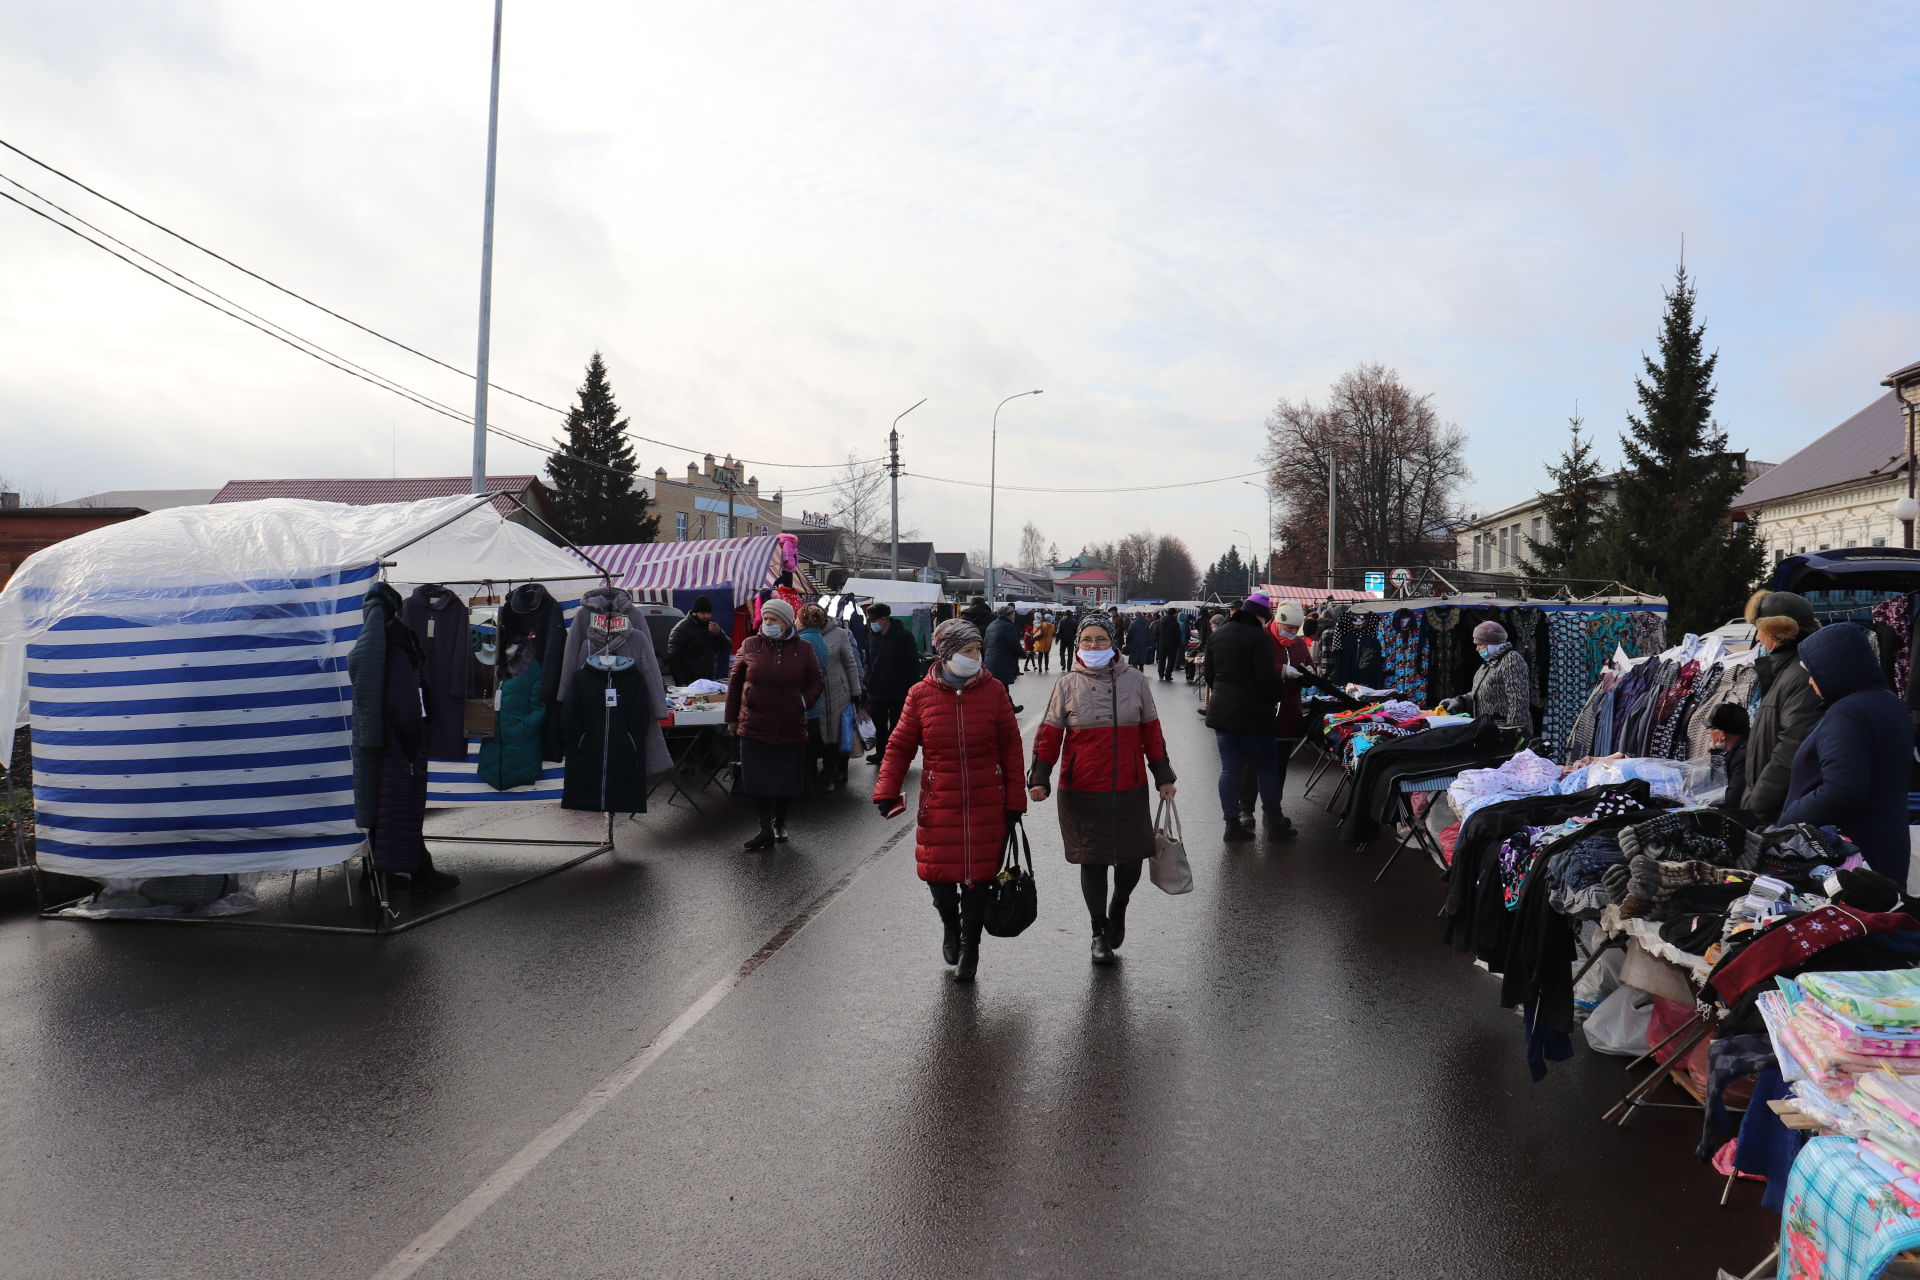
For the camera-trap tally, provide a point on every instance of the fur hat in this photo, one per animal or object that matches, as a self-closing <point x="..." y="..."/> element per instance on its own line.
<point x="1489" y="632"/>
<point x="953" y="635"/>
<point x="1782" y="604"/>
<point x="1778" y="630"/>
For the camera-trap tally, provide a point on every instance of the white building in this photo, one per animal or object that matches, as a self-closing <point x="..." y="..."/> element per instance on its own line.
<point x="1496" y="542"/>
<point x="1839" y="491"/>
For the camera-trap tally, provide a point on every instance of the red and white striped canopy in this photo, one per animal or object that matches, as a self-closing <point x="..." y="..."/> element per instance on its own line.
<point x="658" y="567"/>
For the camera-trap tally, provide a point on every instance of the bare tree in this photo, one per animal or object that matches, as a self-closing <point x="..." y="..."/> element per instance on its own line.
<point x="1399" y="468"/>
<point x="36" y="495"/>
<point x="1033" y="548"/>
<point x="861" y="510"/>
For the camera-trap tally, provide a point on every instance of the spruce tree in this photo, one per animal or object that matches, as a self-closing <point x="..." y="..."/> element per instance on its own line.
<point x="1574" y="511"/>
<point x="1669" y="531"/>
<point x="592" y="471"/>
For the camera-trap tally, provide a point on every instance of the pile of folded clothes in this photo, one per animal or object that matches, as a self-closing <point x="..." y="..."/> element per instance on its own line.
<point x="1840" y="1033"/>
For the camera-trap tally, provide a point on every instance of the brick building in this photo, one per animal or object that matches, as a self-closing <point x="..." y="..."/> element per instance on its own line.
<point x="25" y="530"/>
<point x="713" y="500"/>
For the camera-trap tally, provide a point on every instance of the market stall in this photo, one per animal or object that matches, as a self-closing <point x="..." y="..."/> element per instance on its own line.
<point x="189" y="678"/>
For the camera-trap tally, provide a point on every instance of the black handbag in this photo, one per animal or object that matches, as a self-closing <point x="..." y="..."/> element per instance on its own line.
<point x="1013" y="900"/>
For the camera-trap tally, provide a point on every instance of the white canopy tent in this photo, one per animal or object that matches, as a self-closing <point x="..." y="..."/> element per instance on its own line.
<point x="185" y="673"/>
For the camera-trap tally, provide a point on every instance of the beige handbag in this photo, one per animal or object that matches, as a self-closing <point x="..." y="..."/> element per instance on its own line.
<point x="1171" y="871"/>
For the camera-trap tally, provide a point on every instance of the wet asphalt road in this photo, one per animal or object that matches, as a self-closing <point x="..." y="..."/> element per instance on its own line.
<point x="1287" y="1075"/>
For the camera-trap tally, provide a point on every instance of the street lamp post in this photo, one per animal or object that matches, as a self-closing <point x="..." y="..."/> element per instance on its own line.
<point x="1250" y="553"/>
<point x="1267" y="568"/>
<point x="480" y="372"/>
<point x="1906" y="386"/>
<point x="993" y="479"/>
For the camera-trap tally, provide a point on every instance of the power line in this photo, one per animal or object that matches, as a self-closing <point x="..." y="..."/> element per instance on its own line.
<point x="366" y="329"/>
<point x="1138" y="488"/>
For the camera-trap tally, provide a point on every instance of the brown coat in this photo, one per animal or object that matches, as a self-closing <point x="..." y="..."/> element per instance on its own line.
<point x="772" y="685"/>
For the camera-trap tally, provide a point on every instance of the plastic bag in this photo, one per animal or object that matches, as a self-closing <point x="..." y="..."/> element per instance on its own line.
<point x="846" y="732"/>
<point x="1599" y="982"/>
<point x="868" y="733"/>
<point x="1619" y="1024"/>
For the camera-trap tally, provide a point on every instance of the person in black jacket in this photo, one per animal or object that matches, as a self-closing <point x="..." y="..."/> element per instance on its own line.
<point x="1140" y="643"/>
<point x="1167" y="645"/>
<point x="1788" y="708"/>
<point x="893" y="667"/>
<point x="1727" y="729"/>
<point x="1244" y="686"/>
<point x="696" y="645"/>
<point x="1853" y="769"/>
<point x="1003" y="649"/>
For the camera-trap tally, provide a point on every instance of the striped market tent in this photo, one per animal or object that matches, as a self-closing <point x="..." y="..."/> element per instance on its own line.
<point x="185" y="674"/>
<point x="654" y="570"/>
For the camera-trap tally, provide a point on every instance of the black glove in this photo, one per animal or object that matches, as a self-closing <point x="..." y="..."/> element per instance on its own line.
<point x="890" y="806"/>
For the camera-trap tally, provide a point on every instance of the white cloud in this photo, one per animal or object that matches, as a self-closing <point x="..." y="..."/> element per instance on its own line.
<point x="783" y="224"/>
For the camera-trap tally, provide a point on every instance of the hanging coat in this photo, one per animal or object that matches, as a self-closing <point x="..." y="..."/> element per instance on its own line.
<point x="533" y="631"/>
<point x="367" y="673"/>
<point x="514" y="756"/>
<point x="401" y="809"/>
<point x="607" y="625"/>
<point x="607" y="715"/>
<point x="438" y="619"/>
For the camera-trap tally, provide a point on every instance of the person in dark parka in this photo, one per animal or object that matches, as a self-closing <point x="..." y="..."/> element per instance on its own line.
<point x="1140" y="643"/>
<point x="696" y="645"/>
<point x="893" y="668"/>
<point x="1788" y="705"/>
<point x="1244" y="687"/>
<point x="1853" y="770"/>
<point x="1168" y="644"/>
<point x="1003" y="648"/>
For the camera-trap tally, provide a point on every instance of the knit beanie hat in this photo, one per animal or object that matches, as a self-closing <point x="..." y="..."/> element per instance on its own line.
<point x="953" y="635"/>
<point x="701" y="604"/>
<point x="1258" y="603"/>
<point x="1489" y="632"/>
<point x="779" y="609"/>
<point x="1729" y="717"/>
<point x="1095" y="618"/>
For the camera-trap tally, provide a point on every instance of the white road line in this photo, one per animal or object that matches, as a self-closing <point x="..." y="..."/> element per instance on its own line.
<point x="430" y="1242"/>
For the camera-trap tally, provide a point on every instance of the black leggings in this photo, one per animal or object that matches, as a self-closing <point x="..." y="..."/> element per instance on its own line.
<point x="1093" y="887"/>
<point x="962" y="904"/>
<point x="772" y="809"/>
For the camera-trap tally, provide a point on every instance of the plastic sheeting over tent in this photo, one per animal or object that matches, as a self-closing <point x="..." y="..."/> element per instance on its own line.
<point x="185" y="673"/>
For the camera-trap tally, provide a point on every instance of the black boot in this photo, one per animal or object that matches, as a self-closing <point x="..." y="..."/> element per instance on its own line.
<point x="1116" y="931"/>
<point x="972" y="900"/>
<point x="1102" y="953"/>
<point x="761" y="842"/>
<point x="1236" y="834"/>
<point x="950" y="942"/>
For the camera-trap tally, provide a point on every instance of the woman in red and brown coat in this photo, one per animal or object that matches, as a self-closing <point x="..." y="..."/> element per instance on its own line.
<point x="774" y="680"/>
<point x="970" y="790"/>
<point x="1102" y="727"/>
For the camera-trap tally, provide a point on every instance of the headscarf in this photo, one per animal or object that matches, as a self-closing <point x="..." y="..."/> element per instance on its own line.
<point x="953" y="635"/>
<point x="813" y="616"/>
<point x="781" y="611"/>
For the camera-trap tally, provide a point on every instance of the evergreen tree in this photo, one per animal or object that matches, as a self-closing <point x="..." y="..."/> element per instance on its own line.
<point x="595" y="499"/>
<point x="1668" y="531"/>
<point x="1226" y="576"/>
<point x="1574" y="512"/>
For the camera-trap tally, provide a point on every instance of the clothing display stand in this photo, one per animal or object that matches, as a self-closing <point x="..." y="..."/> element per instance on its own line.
<point x="387" y="919"/>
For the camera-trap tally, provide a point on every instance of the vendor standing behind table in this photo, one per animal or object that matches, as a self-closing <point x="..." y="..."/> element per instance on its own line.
<point x="893" y="664"/>
<point x="1727" y="732"/>
<point x="1788" y="706"/>
<point x="697" y="646"/>
<point x="1853" y="770"/>
<point x="1102" y="728"/>
<point x="1502" y="687"/>
<point x="768" y="692"/>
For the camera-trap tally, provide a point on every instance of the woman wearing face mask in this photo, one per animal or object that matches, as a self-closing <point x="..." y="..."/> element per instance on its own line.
<point x="1502" y="687"/>
<point x="775" y="678"/>
<point x="1102" y="728"/>
<point x="970" y="790"/>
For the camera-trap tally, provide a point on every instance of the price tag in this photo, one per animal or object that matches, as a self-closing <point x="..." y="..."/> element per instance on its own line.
<point x="612" y="623"/>
<point x="423" y="703"/>
<point x="431" y="623"/>
<point x="613" y="696"/>
<point x="496" y="697"/>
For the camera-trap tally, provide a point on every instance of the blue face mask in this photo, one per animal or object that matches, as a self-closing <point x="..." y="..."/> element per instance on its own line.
<point x="877" y="627"/>
<point x="772" y="630"/>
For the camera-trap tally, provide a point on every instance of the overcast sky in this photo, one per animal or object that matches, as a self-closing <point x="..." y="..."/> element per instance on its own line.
<point x="785" y="223"/>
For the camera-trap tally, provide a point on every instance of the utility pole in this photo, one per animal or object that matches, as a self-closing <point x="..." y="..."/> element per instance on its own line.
<point x="893" y="469"/>
<point x="480" y="373"/>
<point x="1333" y="472"/>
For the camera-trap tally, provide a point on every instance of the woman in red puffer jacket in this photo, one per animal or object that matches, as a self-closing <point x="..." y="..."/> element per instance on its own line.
<point x="971" y="788"/>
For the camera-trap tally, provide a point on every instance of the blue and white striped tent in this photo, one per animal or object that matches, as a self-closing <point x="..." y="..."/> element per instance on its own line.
<point x="185" y="674"/>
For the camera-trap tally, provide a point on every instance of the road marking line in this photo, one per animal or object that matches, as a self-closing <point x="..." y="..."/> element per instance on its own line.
<point x="430" y="1242"/>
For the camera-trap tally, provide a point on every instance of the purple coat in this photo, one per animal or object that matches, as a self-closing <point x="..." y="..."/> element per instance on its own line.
<point x="438" y="619"/>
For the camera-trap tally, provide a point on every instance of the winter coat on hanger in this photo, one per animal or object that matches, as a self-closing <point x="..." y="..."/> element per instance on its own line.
<point x="607" y="625"/>
<point x="971" y="777"/>
<point x="514" y="756"/>
<point x="367" y="673"/>
<point x="438" y="619"/>
<point x="533" y="631"/>
<point x="608" y="717"/>
<point x="1852" y="771"/>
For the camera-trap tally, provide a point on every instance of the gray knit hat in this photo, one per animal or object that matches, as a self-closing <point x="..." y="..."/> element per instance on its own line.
<point x="953" y="635"/>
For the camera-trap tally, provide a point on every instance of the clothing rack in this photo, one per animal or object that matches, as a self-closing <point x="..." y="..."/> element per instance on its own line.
<point x="387" y="920"/>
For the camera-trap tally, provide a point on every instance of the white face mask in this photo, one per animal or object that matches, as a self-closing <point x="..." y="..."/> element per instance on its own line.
<point x="1096" y="658"/>
<point x="964" y="666"/>
<point x="772" y="630"/>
